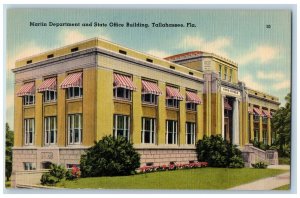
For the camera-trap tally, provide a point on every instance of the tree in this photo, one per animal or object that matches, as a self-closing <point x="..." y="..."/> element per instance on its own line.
<point x="9" y="143"/>
<point x="281" y="125"/>
<point x="110" y="157"/>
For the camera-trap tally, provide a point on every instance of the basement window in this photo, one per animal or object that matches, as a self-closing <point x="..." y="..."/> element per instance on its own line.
<point x="149" y="60"/>
<point x="50" y="56"/>
<point x="74" y="49"/>
<point x="122" y="52"/>
<point x="29" y="61"/>
<point x="172" y="67"/>
<point x="149" y="164"/>
<point x="191" y="73"/>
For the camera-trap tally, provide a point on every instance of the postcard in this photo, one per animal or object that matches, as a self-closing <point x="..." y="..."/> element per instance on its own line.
<point x="148" y="98"/>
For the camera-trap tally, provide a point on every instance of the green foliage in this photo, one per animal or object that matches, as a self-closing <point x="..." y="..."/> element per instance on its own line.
<point x="9" y="143"/>
<point x="48" y="179"/>
<point x="219" y="152"/>
<point x="110" y="157"/>
<point x="259" y="165"/>
<point x="281" y="125"/>
<point x="56" y="174"/>
<point x="58" y="171"/>
<point x="261" y="145"/>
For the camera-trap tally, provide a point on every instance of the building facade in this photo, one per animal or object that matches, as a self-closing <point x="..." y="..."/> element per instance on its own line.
<point x="67" y="98"/>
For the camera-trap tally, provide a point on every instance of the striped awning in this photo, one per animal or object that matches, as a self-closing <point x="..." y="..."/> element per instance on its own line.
<point x="192" y="97"/>
<point x="257" y="111"/>
<point x="72" y="80"/>
<point x="266" y="113"/>
<point x="227" y="105"/>
<point x="48" y="85"/>
<point x="150" y="88"/>
<point x="173" y="93"/>
<point x="250" y="110"/>
<point x="122" y="81"/>
<point x="27" y="89"/>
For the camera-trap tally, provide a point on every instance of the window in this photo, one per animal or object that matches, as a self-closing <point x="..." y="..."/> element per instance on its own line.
<point x="121" y="126"/>
<point x="230" y="75"/>
<point x="191" y="73"/>
<point x="50" y="96"/>
<point x="256" y="118"/>
<point x="265" y="120"/>
<point x="149" y="98"/>
<point x="172" y="103"/>
<point x="122" y="52"/>
<point x="29" y="131"/>
<point x="171" y="132"/>
<point x="149" y="60"/>
<point x="265" y="138"/>
<point x="50" y="130"/>
<point x="190" y="132"/>
<point x="75" y="92"/>
<point x="75" y="128"/>
<point x="74" y="49"/>
<point x="225" y="73"/>
<point x="148" y="130"/>
<point x="50" y="56"/>
<point x="256" y="135"/>
<point x="46" y="165"/>
<point x="29" y="166"/>
<point x="29" y="61"/>
<point x="220" y="71"/>
<point x="191" y="106"/>
<point x="122" y="93"/>
<point x="172" y="67"/>
<point x="29" y="100"/>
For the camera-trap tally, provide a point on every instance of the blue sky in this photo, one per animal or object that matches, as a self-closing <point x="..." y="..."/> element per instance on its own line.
<point x="263" y="54"/>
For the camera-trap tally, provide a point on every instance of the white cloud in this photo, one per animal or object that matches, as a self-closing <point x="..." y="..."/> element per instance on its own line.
<point x="251" y="83"/>
<point x="262" y="54"/>
<point x="270" y="75"/>
<point x="217" y="46"/>
<point x="158" y="53"/>
<point x="286" y="84"/>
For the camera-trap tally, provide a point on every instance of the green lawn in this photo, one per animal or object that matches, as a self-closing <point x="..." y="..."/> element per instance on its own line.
<point x="284" y="160"/>
<point x="201" y="178"/>
<point x="285" y="187"/>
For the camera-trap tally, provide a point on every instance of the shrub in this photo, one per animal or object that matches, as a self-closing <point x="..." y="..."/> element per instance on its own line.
<point x="110" y="157"/>
<point x="48" y="179"/>
<point x="72" y="174"/>
<point x="259" y="165"/>
<point x="56" y="173"/>
<point x="218" y="152"/>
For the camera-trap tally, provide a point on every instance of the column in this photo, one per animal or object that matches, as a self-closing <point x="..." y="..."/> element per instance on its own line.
<point x="235" y="122"/>
<point x="161" y="124"/>
<point x="269" y="135"/>
<point x="38" y="138"/>
<point x="137" y="111"/>
<point x="222" y="114"/>
<point x="182" y="119"/>
<point x="260" y="126"/>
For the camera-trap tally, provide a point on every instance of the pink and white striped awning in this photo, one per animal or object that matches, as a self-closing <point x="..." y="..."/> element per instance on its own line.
<point x="72" y="80"/>
<point x="122" y="81"/>
<point x="48" y="85"/>
<point x="192" y="97"/>
<point x="257" y="111"/>
<point x="150" y="88"/>
<point x="266" y="113"/>
<point x="26" y="90"/>
<point x="173" y="93"/>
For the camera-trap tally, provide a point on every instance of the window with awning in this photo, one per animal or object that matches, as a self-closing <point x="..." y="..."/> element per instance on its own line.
<point x="266" y="113"/>
<point x="48" y="85"/>
<point x="173" y="93"/>
<point x="122" y="81"/>
<point x="150" y="88"/>
<point x="28" y="89"/>
<point x="72" y="80"/>
<point x="192" y="97"/>
<point x="257" y="112"/>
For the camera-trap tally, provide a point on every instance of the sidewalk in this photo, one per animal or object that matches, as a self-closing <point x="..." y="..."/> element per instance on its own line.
<point x="267" y="183"/>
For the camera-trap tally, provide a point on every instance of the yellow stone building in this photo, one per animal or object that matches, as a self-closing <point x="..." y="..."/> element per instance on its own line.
<point x="67" y="98"/>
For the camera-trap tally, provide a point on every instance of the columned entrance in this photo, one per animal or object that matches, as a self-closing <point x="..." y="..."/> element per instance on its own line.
<point x="230" y="115"/>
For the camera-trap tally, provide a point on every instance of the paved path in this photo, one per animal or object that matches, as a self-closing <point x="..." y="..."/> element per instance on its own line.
<point x="266" y="183"/>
